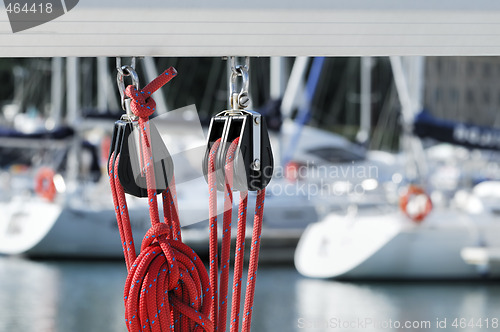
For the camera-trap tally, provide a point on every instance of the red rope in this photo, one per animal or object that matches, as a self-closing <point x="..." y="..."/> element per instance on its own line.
<point x="212" y="235"/>
<point x="121" y="212"/>
<point x="238" y="262"/>
<point x="240" y="245"/>
<point x="168" y="287"/>
<point x="254" y="261"/>
<point x="226" y="235"/>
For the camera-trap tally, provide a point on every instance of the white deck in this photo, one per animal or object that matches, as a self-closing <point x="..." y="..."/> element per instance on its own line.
<point x="262" y="28"/>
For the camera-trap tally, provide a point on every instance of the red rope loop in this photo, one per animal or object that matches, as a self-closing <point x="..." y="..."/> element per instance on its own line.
<point x="143" y="105"/>
<point x="167" y="286"/>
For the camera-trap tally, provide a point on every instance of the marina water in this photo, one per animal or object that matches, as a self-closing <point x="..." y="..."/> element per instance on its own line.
<point x="74" y="296"/>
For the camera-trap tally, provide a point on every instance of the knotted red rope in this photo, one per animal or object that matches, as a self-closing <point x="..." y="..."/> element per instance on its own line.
<point x="167" y="287"/>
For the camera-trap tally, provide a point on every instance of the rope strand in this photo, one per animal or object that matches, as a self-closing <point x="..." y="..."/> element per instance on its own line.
<point x="168" y="287"/>
<point x="226" y="235"/>
<point x="254" y="260"/>
<point x="213" y="240"/>
<point x="240" y="245"/>
<point x="238" y="262"/>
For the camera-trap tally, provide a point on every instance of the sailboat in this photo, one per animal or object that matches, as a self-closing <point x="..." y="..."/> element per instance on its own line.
<point x="72" y="213"/>
<point x="78" y="219"/>
<point x="447" y="231"/>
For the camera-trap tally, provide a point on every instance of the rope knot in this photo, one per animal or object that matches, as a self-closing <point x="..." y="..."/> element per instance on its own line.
<point x="157" y="236"/>
<point x="143" y="105"/>
<point x="167" y="271"/>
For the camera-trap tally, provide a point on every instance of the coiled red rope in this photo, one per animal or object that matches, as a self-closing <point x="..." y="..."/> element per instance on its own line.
<point x="168" y="287"/>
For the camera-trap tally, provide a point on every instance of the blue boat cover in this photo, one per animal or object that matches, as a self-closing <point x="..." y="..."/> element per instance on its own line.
<point x="56" y="133"/>
<point x="467" y="135"/>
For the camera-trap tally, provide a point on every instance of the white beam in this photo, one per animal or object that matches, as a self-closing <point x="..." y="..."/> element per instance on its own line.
<point x="262" y="28"/>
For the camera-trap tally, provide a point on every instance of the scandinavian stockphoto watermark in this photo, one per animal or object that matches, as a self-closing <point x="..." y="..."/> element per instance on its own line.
<point x="310" y="179"/>
<point x="179" y="140"/>
<point x="368" y="323"/>
<point x="26" y="14"/>
<point x="178" y="135"/>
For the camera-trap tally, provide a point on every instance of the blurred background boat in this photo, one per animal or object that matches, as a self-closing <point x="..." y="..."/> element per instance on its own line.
<point x="68" y="212"/>
<point x="350" y="186"/>
<point x="445" y="229"/>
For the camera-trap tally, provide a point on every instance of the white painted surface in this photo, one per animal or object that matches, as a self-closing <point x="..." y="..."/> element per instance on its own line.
<point x="262" y="28"/>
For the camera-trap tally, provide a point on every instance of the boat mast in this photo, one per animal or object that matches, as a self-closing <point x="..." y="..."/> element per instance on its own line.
<point x="102" y="84"/>
<point x="278" y="77"/>
<point x="73" y="120"/>
<point x="363" y="135"/>
<point x="294" y="87"/>
<point x="56" y="91"/>
<point x="292" y="96"/>
<point x="277" y="85"/>
<point x="409" y="85"/>
<point x="304" y="111"/>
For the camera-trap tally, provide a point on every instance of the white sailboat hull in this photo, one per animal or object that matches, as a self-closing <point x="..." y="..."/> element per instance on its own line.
<point x="43" y="229"/>
<point x="391" y="246"/>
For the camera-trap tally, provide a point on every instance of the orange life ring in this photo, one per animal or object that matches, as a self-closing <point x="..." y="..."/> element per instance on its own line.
<point x="425" y="208"/>
<point x="44" y="184"/>
<point x="105" y="146"/>
<point x="294" y="171"/>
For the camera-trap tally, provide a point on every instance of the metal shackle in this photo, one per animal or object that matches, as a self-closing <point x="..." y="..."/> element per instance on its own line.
<point x="239" y="100"/>
<point x="126" y="71"/>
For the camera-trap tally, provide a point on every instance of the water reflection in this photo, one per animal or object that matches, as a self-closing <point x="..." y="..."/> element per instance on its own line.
<point x="326" y="305"/>
<point x="61" y="296"/>
<point x="87" y="296"/>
